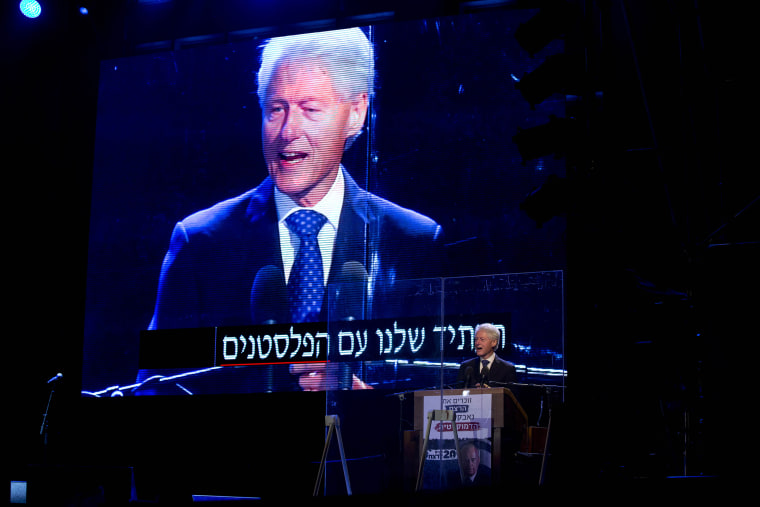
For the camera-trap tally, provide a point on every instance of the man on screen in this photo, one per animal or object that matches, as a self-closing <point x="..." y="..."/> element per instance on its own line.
<point x="266" y="256"/>
<point x="487" y="369"/>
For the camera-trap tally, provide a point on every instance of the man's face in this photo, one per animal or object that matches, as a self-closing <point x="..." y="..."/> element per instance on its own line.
<point x="483" y="344"/>
<point x="304" y="130"/>
<point x="470" y="458"/>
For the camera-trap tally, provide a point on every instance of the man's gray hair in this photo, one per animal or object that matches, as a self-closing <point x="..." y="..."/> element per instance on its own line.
<point x="491" y="331"/>
<point x="346" y="54"/>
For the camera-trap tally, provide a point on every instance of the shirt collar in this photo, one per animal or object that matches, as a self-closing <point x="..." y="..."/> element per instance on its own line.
<point x="330" y="205"/>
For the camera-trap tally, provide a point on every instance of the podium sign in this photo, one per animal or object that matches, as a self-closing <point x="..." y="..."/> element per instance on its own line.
<point x="491" y="425"/>
<point x="473" y="414"/>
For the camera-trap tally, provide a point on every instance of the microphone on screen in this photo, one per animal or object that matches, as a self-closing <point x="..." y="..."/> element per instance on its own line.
<point x="350" y="296"/>
<point x="349" y="306"/>
<point x="484" y="376"/>
<point x="269" y="297"/>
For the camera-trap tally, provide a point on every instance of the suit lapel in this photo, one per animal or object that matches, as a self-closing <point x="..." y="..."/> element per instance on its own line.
<point x="350" y="242"/>
<point x="263" y="233"/>
<point x="495" y="366"/>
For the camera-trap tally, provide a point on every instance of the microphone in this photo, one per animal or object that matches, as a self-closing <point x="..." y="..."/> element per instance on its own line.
<point x="269" y="297"/>
<point x="467" y="377"/>
<point x="494" y="383"/>
<point x="57" y="377"/>
<point x="349" y="300"/>
<point x="349" y="306"/>
<point x="484" y="376"/>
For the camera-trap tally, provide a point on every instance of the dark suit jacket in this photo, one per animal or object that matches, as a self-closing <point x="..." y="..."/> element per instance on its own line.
<point x="215" y="255"/>
<point x="501" y="372"/>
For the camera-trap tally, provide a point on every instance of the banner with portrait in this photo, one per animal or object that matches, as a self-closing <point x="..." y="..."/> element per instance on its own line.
<point x="447" y="466"/>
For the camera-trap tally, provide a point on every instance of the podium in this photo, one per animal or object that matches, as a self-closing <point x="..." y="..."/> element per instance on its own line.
<point x="509" y="428"/>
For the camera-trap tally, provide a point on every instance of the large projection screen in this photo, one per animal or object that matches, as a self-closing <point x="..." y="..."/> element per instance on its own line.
<point x="181" y="131"/>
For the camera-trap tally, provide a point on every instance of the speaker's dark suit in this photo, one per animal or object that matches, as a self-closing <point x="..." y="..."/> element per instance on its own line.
<point x="501" y="372"/>
<point x="215" y="255"/>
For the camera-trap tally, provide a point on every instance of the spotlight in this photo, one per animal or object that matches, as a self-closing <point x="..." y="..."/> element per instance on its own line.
<point x="30" y="8"/>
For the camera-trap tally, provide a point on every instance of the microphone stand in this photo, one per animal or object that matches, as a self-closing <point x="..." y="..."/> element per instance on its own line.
<point x="45" y="427"/>
<point x="547" y="442"/>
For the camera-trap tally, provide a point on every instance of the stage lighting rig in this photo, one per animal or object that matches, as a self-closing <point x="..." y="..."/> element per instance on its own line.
<point x="556" y="75"/>
<point x="560" y="137"/>
<point x="555" y="21"/>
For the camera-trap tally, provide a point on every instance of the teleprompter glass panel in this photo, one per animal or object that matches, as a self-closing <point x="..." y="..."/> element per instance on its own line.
<point x="402" y="370"/>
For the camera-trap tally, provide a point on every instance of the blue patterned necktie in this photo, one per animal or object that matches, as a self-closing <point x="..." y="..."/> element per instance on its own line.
<point x="306" y="284"/>
<point x="484" y="372"/>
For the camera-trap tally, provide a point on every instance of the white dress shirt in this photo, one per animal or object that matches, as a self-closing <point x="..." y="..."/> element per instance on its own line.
<point x="489" y="359"/>
<point x="330" y="206"/>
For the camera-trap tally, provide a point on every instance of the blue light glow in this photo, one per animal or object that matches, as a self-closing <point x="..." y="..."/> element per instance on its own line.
<point x="30" y="8"/>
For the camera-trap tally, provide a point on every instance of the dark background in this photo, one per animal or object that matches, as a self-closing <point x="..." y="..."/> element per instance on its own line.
<point x="662" y="247"/>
